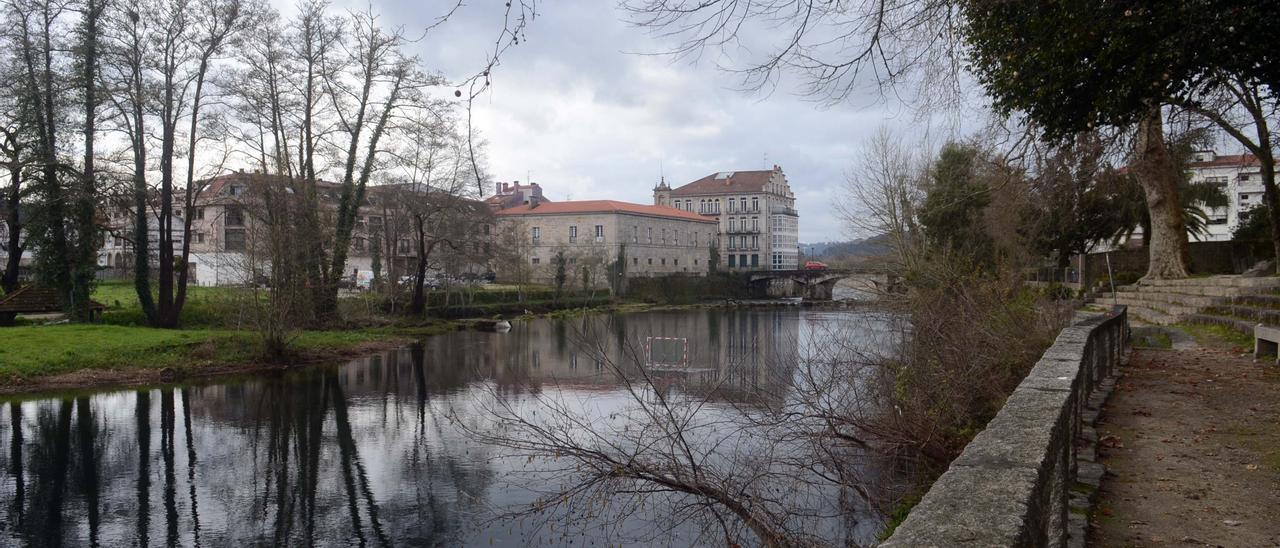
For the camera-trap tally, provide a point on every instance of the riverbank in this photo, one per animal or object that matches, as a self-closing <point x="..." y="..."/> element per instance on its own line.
<point x="44" y="358"/>
<point x="69" y="356"/>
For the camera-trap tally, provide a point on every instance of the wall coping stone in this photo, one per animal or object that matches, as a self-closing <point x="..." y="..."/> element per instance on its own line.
<point x="1011" y="486"/>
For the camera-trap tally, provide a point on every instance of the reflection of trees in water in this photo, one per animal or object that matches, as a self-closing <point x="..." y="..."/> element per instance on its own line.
<point x="358" y="454"/>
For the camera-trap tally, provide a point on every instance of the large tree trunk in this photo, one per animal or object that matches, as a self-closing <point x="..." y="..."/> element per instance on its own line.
<point x="1272" y="197"/>
<point x="1167" y="239"/>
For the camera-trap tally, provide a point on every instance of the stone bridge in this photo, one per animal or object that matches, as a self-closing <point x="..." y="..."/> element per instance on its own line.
<point x="817" y="285"/>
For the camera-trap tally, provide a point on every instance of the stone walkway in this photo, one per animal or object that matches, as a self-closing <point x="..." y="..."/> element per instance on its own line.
<point x="1191" y="442"/>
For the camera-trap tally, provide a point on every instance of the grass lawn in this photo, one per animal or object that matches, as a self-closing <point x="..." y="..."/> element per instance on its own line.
<point x="215" y="331"/>
<point x="34" y="351"/>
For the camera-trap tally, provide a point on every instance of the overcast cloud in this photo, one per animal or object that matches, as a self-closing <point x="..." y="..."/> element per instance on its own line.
<point x="572" y="110"/>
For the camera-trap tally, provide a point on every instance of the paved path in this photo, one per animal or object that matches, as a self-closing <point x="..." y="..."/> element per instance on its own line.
<point x="1191" y="441"/>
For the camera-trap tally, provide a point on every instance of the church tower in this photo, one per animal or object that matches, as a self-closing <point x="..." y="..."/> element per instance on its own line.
<point x="662" y="193"/>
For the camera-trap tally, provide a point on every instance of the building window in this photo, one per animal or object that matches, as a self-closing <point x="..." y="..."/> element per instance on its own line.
<point x="573" y="234"/>
<point x="237" y="190"/>
<point x="358" y="244"/>
<point x="537" y="234"/>
<point x="200" y="213"/>
<point x="199" y="237"/>
<point x="650" y="260"/>
<point x="733" y="225"/>
<point x="694" y="236"/>
<point x="403" y="247"/>
<point x="648" y="231"/>
<point x="233" y="240"/>
<point x="485" y="230"/>
<point x="733" y="261"/>
<point x="755" y="224"/>
<point x="755" y="260"/>
<point x="635" y="261"/>
<point x="599" y="233"/>
<point x="675" y="237"/>
<point x="755" y="204"/>
<point x="664" y="236"/>
<point x="664" y="261"/>
<point x="537" y="260"/>
<point x="675" y="262"/>
<point x="755" y="242"/>
<point x="235" y="216"/>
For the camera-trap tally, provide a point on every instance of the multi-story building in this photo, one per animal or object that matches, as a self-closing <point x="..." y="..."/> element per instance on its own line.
<point x="592" y="234"/>
<point x="756" y="213"/>
<point x="1240" y="178"/>
<point x="116" y="256"/>
<point x="228" y="207"/>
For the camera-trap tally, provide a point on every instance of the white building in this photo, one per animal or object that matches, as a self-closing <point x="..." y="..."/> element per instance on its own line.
<point x="759" y="225"/>
<point x="1239" y="177"/>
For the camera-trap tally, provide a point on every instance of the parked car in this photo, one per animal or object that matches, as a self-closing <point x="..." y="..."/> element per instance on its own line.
<point x="815" y="265"/>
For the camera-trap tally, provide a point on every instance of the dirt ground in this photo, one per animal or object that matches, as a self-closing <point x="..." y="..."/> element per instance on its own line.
<point x="1191" y="442"/>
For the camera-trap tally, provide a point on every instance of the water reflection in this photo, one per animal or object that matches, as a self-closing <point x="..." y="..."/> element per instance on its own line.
<point x="358" y="454"/>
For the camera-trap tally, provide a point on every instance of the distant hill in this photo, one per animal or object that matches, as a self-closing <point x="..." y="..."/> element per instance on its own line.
<point x="856" y="249"/>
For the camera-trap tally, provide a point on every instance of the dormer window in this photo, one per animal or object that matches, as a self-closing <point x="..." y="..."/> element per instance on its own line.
<point x="236" y="190"/>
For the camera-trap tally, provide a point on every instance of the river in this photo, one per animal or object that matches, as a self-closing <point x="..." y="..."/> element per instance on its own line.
<point x="370" y="452"/>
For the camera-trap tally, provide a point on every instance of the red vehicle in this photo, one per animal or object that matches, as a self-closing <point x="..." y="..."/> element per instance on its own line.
<point x="815" y="265"/>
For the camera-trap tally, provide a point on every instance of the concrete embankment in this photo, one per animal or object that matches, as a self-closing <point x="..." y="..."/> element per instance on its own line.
<point x="1029" y="477"/>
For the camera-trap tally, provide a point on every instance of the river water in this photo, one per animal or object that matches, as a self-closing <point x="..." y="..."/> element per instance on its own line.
<point x="370" y="452"/>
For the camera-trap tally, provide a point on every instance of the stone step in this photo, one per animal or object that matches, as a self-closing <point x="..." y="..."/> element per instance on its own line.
<point x="1255" y="315"/>
<point x="1243" y="326"/>
<point x="1194" y="290"/>
<point x="1266" y="282"/>
<point x="1130" y="300"/>
<point x="1152" y="316"/>
<point x="1180" y="299"/>
<point x="1256" y="301"/>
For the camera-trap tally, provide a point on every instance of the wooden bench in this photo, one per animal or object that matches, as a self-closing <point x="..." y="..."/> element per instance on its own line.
<point x="33" y="299"/>
<point x="1266" y="342"/>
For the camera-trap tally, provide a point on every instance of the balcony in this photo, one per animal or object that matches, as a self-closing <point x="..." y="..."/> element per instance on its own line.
<point x="742" y="230"/>
<point x="783" y="210"/>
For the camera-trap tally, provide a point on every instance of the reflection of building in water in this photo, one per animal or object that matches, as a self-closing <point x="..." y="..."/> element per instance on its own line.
<point x="739" y="353"/>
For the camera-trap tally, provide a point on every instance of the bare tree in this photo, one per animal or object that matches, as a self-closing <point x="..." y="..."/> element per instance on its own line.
<point x="163" y="54"/>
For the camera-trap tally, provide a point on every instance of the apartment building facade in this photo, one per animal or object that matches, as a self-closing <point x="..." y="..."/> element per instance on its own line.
<point x="593" y="234"/>
<point x="755" y="212"/>
<point x="1239" y="176"/>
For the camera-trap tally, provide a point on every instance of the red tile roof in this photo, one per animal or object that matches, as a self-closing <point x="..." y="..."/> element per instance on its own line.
<point x="604" y="206"/>
<point x="1228" y="160"/>
<point x="734" y="182"/>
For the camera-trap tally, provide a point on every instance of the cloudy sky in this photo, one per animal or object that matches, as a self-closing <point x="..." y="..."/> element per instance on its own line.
<point x="575" y="109"/>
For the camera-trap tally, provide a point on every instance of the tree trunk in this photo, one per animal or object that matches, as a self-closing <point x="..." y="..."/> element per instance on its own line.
<point x="1167" y="239"/>
<point x="1272" y="196"/>
<point x="9" y="281"/>
<point x="419" y="303"/>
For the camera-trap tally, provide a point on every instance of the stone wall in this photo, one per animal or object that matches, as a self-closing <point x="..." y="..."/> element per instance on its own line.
<point x="1013" y="485"/>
